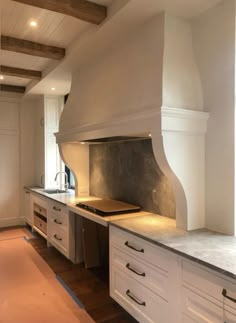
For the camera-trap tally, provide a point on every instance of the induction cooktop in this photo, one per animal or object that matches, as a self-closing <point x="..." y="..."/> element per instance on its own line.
<point x="107" y="207"/>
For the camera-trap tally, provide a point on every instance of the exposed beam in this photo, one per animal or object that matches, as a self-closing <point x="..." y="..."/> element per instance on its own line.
<point x="30" y="48"/>
<point x="81" y="9"/>
<point x="12" y="88"/>
<point x="20" y="72"/>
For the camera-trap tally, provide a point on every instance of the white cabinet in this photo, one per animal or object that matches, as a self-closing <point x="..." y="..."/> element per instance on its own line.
<point x="61" y="229"/>
<point x="53" y="221"/>
<point x="155" y="285"/>
<point x="141" y="278"/>
<point x="202" y="295"/>
<point x="28" y="207"/>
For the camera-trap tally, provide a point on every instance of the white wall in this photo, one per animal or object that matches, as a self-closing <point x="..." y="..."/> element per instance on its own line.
<point x="181" y="79"/>
<point x="214" y="44"/>
<point x="76" y="157"/>
<point x="9" y="162"/>
<point x="125" y="80"/>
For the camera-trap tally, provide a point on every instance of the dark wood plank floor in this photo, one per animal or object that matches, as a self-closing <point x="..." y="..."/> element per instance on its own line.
<point x="90" y="286"/>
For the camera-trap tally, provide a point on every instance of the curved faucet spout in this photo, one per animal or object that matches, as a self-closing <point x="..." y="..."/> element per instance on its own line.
<point x="66" y="185"/>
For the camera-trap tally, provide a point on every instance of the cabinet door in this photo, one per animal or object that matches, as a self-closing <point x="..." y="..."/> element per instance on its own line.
<point x="28" y="211"/>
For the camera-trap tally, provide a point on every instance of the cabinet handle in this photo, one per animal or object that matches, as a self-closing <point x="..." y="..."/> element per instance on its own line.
<point x="56" y="237"/>
<point x="131" y="247"/>
<point x="57" y="222"/>
<point x="56" y="209"/>
<point x="224" y="293"/>
<point x="134" y="271"/>
<point x="129" y="294"/>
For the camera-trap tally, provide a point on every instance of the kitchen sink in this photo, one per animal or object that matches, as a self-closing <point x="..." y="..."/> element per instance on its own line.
<point x="54" y="191"/>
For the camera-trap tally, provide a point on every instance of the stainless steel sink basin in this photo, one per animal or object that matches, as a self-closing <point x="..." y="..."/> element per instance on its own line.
<point x="54" y="191"/>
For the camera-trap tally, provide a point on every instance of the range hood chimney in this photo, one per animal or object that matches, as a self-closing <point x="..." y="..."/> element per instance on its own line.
<point x="133" y="92"/>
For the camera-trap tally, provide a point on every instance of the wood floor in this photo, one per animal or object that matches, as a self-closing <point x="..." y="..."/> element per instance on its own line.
<point x="90" y="286"/>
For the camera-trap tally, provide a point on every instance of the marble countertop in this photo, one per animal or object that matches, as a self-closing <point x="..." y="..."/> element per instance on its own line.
<point x="211" y="249"/>
<point x="70" y="200"/>
<point x="67" y="198"/>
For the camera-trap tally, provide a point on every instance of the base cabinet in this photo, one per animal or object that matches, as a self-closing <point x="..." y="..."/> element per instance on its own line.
<point x="138" y="300"/>
<point x="141" y="278"/>
<point x="28" y="207"/>
<point x="53" y="221"/>
<point x="155" y="287"/>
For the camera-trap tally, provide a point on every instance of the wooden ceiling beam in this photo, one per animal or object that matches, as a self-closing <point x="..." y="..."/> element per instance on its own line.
<point x="12" y="88"/>
<point x="31" y="48"/>
<point x="80" y="9"/>
<point x="20" y="72"/>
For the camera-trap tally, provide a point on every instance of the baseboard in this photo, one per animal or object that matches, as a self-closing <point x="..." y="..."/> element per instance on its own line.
<point x="10" y="222"/>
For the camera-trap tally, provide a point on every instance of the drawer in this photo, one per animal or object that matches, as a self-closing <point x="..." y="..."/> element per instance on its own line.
<point x="57" y="235"/>
<point x="150" y="277"/>
<point x="139" y="301"/>
<point x="39" y="209"/>
<point x="138" y="247"/>
<point x="200" y="310"/>
<point x="60" y="219"/>
<point x="57" y="208"/>
<point x="40" y="224"/>
<point x="43" y="202"/>
<point x="208" y="284"/>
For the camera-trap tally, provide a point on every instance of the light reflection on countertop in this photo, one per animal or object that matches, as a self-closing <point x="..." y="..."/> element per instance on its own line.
<point x="212" y="249"/>
<point x="67" y="198"/>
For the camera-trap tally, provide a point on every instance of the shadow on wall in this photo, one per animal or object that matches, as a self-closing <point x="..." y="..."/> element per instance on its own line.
<point x="128" y="171"/>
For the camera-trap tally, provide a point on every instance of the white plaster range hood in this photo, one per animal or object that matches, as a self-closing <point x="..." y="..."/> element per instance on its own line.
<point x="125" y="93"/>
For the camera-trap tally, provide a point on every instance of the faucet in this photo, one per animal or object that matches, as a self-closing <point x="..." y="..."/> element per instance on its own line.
<point x="66" y="185"/>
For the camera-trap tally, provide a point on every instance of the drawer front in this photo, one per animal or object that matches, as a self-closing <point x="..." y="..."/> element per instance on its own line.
<point x="40" y="224"/>
<point x="57" y="235"/>
<point x="139" y="301"/>
<point x="138" y="247"/>
<point x="152" y="278"/>
<point x="43" y="202"/>
<point x="209" y="284"/>
<point x="200" y="310"/>
<point x="60" y="220"/>
<point x="39" y="209"/>
<point x="57" y="208"/>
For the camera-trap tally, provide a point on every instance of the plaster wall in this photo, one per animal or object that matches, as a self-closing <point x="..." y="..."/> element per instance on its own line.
<point x="181" y="79"/>
<point x="214" y="45"/>
<point x="126" y="80"/>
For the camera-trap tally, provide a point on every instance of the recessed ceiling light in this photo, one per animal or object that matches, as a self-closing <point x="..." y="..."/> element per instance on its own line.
<point x="33" y="23"/>
<point x="53" y="88"/>
<point x="1" y="77"/>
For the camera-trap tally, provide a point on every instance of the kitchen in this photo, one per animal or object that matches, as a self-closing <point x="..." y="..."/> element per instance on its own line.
<point x="162" y="74"/>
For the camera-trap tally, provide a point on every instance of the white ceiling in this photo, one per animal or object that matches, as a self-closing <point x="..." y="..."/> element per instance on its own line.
<point x="59" y="30"/>
<point x="53" y="28"/>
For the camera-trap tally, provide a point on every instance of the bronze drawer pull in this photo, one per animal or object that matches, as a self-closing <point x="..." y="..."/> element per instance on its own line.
<point x="134" y="271"/>
<point x="131" y="247"/>
<point x="57" y="222"/>
<point x="224" y="293"/>
<point x="128" y="293"/>
<point x="56" y="209"/>
<point x="56" y="237"/>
